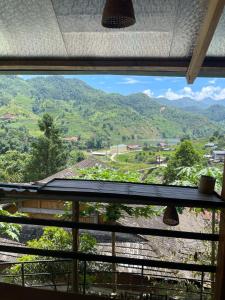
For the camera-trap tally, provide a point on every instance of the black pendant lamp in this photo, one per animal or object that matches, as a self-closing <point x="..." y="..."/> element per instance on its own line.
<point x="118" y="14"/>
<point x="170" y="216"/>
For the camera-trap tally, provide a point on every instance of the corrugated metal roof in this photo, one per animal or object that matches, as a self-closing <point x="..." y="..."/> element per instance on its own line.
<point x="70" y="172"/>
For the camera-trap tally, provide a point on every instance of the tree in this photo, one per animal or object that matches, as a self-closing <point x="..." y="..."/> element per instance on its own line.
<point x="47" y="126"/>
<point x="48" y="153"/>
<point x="185" y="156"/>
<point x="76" y="156"/>
<point x="12" y="166"/>
<point x="53" y="238"/>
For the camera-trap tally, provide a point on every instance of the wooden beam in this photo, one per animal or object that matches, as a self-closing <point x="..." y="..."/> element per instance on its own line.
<point x="101" y="65"/>
<point x="207" y="29"/>
<point x="212" y="67"/>
<point x="220" y="273"/>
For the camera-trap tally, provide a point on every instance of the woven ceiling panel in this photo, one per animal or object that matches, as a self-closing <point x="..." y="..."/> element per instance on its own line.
<point x="163" y="28"/>
<point x="217" y="46"/>
<point x="29" y="29"/>
<point x="62" y="28"/>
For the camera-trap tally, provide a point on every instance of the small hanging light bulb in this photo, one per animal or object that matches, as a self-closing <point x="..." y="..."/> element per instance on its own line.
<point x="170" y="216"/>
<point x="118" y="14"/>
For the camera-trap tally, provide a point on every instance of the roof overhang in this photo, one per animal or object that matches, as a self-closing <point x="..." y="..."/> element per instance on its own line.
<point x="170" y="38"/>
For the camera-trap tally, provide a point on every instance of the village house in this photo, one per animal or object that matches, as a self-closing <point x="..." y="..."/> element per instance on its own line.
<point x="210" y="145"/>
<point x="71" y="139"/>
<point x="162" y="145"/>
<point x="51" y="209"/>
<point x="218" y="155"/>
<point x="8" y="117"/>
<point x="134" y="147"/>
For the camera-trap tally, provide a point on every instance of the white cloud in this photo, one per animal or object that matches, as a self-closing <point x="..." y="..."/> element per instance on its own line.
<point x="159" y="78"/>
<point x="149" y="93"/>
<point x="129" y="80"/>
<point x="213" y="81"/>
<point x="171" y="95"/>
<point x="210" y="91"/>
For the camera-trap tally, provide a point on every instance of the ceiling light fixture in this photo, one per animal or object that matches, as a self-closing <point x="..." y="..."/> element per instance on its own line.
<point x="118" y="14"/>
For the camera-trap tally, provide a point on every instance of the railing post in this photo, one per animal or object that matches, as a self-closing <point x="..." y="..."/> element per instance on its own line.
<point x="75" y="247"/>
<point x="22" y="274"/>
<point x="142" y="279"/>
<point x="220" y="272"/>
<point x="84" y="279"/>
<point x="202" y="286"/>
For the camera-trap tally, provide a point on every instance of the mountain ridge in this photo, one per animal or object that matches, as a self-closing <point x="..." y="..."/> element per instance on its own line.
<point x="80" y="109"/>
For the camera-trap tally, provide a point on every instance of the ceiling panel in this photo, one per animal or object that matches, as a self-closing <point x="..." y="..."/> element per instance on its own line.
<point x="118" y="44"/>
<point x="29" y="28"/>
<point x="217" y="46"/>
<point x="189" y="17"/>
<point x="151" y="36"/>
<point x="164" y="28"/>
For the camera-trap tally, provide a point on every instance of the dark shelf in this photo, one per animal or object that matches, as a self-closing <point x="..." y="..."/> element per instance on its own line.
<point x="132" y="193"/>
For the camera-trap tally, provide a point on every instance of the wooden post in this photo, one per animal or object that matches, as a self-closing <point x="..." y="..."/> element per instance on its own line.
<point x="220" y="274"/>
<point x="114" y="264"/>
<point x="213" y="250"/>
<point x="75" y="247"/>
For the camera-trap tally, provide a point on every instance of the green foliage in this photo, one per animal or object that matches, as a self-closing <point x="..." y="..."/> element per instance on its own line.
<point x="190" y="176"/>
<point x="185" y="156"/>
<point x="76" y="156"/>
<point x="53" y="238"/>
<point x="17" y="139"/>
<point x="100" y="118"/>
<point x="112" y="212"/>
<point x="13" y="166"/>
<point x="9" y="230"/>
<point x="47" y="126"/>
<point x="98" y="173"/>
<point x="48" y="153"/>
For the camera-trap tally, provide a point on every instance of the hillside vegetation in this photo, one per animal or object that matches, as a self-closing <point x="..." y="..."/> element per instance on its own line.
<point x="81" y="110"/>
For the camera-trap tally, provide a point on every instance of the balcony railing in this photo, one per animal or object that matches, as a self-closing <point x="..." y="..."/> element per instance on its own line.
<point x="141" y="267"/>
<point x="142" y="288"/>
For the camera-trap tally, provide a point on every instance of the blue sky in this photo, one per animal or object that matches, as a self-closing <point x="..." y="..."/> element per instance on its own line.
<point x="172" y="88"/>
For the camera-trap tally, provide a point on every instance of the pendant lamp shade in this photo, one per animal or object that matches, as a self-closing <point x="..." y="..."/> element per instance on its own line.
<point x="170" y="216"/>
<point x="118" y="14"/>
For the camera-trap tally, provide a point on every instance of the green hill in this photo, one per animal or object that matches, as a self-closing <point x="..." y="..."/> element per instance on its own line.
<point x="82" y="110"/>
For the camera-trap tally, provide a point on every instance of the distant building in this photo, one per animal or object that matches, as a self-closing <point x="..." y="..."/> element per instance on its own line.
<point x="162" y="145"/>
<point x="99" y="153"/>
<point x="8" y="117"/>
<point x="134" y="147"/>
<point x="210" y="145"/>
<point x="218" y="155"/>
<point x="121" y="148"/>
<point x="207" y="156"/>
<point x="49" y="209"/>
<point x="71" y="139"/>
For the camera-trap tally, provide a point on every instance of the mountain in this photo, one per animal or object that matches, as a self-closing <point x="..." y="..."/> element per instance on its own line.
<point x="189" y="103"/>
<point x="180" y="103"/>
<point x="82" y="110"/>
<point x="215" y="113"/>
